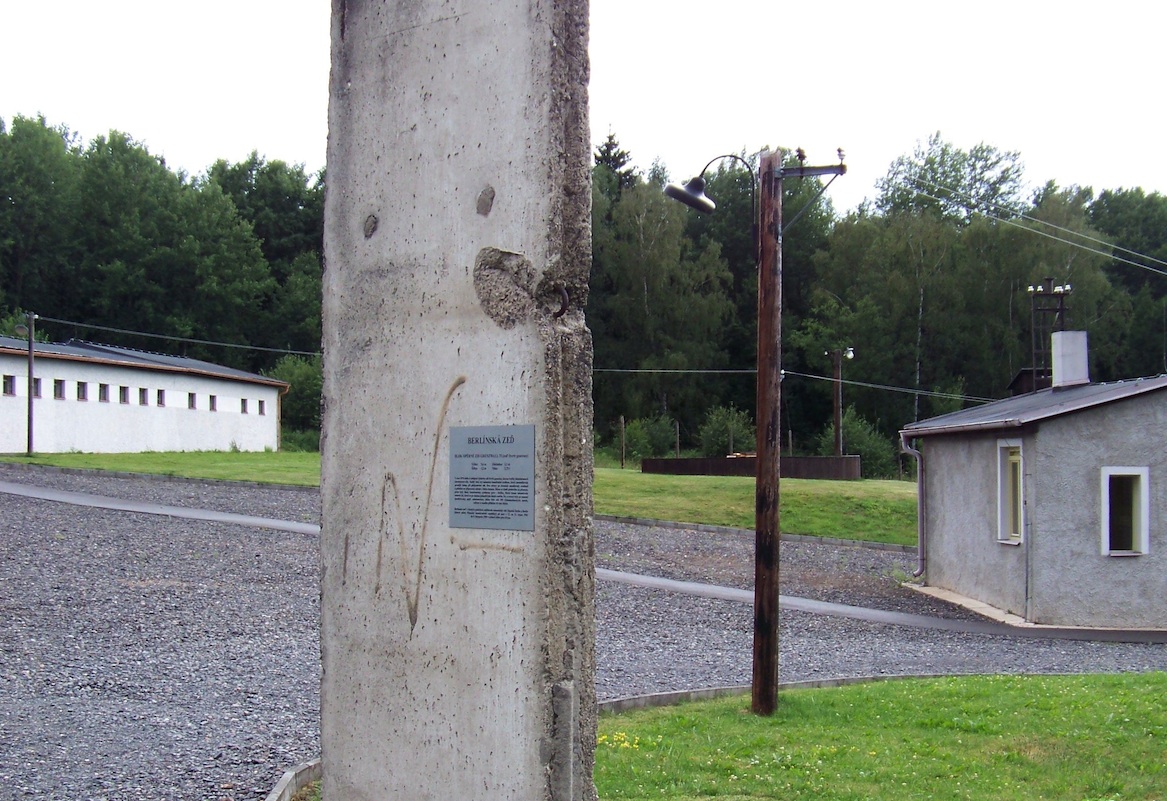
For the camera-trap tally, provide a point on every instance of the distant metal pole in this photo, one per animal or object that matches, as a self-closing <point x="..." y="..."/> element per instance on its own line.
<point x="837" y="356"/>
<point x="31" y="373"/>
<point x="764" y="690"/>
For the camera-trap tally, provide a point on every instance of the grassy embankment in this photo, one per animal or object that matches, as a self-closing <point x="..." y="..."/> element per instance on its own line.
<point x="876" y="511"/>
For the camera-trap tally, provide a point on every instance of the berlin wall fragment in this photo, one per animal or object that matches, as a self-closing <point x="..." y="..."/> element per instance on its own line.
<point x="457" y="625"/>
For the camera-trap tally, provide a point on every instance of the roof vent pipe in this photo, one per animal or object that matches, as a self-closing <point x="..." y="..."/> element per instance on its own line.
<point x="1071" y="363"/>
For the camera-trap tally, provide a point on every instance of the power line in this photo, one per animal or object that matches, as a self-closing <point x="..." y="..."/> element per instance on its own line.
<point x="886" y="387"/>
<point x="175" y="339"/>
<point x="970" y="204"/>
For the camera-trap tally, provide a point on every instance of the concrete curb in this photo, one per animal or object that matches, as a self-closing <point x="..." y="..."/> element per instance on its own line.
<point x="644" y="521"/>
<point x="655" y="700"/>
<point x="296" y="779"/>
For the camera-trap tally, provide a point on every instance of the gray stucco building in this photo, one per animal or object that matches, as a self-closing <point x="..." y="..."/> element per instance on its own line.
<point x="1051" y="505"/>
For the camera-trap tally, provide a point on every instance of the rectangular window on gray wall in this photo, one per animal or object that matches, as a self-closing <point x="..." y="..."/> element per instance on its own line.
<point x="143" y="396"/>
<point x="103" y="393"/>
<point x="82" y="391"/>
<point x="213" y="402"/>
<point x="1125" y="513"/>
<point x="123" y="394"/>
<point x="243" y="405"/>
<point x="1010" y="492"/>
<point x="58" y="389"/>
<point x="262" y="407"/>
<point x="160" y="398"/>
<point x="192" y="400"/>
<point x="9" y="385"/>
<point x="36" y="387"/>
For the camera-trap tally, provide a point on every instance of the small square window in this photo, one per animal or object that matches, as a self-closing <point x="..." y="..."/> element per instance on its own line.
<point x="262" y="407"/>
<point x="213" y="402"/>
<point x="58" y="389"/>
<point x="191" y="400"/>
<point x="82" y="391"/>
<point x="36" y="387"/>
<point x="103" y="393"/>
<point x="160" y="398"/>
<point x="243" y="405"/>
<point x="143" y="396"/>
<point x="9" y="385"/>
<point x="1125" y="511"/>
<point x="123" y="394"/>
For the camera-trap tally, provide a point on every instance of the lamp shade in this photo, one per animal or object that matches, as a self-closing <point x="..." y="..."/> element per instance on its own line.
<point x="692" y="194"/>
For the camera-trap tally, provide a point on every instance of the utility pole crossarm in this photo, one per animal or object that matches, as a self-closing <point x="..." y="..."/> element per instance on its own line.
<point x="810" y="172"/>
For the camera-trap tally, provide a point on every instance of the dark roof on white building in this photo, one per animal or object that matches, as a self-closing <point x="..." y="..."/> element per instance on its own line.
<point x="79" y="350"/>
<point x="1034" y="407"/>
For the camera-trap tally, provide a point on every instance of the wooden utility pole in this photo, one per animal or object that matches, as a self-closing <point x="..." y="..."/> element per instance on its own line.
<point x="764" y="692"/>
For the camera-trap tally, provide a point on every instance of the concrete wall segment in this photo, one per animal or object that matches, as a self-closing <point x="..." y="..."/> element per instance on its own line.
<point x="457" y="663"/>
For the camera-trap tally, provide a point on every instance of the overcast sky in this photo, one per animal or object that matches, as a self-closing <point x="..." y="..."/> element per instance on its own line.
<point x="1076" y="87"/>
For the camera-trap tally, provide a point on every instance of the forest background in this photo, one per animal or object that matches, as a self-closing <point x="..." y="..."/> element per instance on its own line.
<point x="928" y="282"/>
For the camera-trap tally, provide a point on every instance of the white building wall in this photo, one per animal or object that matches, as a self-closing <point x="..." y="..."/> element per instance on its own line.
<point x="111" y="426"/>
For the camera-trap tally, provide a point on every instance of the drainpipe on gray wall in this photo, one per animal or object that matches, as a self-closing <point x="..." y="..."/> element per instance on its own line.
<point x="920" y="503"/>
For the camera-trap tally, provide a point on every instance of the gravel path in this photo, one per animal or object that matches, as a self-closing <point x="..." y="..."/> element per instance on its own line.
<point x="144" y="657"/>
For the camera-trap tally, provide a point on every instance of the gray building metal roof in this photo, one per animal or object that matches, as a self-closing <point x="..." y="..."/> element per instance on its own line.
<point x="1034" y="407"/>
<point x="79" y="350"/>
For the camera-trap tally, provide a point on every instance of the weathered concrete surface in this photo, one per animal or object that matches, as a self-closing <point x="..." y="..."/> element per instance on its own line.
<point x="457" y="663"/>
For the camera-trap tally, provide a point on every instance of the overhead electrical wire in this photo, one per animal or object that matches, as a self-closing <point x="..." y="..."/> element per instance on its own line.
<point x="970" y="204"/>
<point x="174" y="338"/>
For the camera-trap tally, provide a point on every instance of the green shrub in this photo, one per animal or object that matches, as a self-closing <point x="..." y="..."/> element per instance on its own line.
<point x="300" y="441"/>
<point x="715" y="432"/>
<point x="300" y="409"/>
<point x="646" y="437"/>
<point x="877" y="453"/>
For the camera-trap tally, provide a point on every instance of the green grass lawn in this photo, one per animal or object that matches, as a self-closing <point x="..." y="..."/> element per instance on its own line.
<point x="1005" y="738"/>
<point x="266" y="467"/>
<point x="874" y="511"/>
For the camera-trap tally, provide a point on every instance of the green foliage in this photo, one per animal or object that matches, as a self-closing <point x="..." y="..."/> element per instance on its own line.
<point x="293" y="441"/>
<point x="107" y="234"/>
<point x="726" y="430"/>
<point x="300" y="407"/>
<point x="877" y="453"/>
<point x="649" y="436"/>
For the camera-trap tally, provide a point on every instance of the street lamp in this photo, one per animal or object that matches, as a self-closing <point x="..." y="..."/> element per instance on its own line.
<point x="29" y="328"/>
<point x="768" y="251"/>
<point x="837" y="355"/>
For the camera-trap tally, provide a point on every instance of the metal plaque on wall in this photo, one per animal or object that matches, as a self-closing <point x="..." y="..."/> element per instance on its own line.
<point x="492" y="477"/>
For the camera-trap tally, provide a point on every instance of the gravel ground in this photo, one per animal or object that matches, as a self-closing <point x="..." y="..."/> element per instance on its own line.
<point x="145" y="657"/>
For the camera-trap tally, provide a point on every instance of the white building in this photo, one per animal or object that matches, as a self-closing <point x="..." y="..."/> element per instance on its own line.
<point x="103" y="399"/>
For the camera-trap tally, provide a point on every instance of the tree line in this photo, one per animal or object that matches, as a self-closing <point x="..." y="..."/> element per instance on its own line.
<point x="927" y="282"/>
<point x="105" y="234"/>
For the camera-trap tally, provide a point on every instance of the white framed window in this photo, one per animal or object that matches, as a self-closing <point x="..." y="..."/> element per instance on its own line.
<point x="59" y="389"/>
<point x="9" y="385"/>
<point x="123" y="394"/>
<point x="1010" y="492"/>
<point x="143" y="396"/>
<point x="82" y="391"/>
<point x="1125" y="514"/>
<point x="103" y="393"/>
